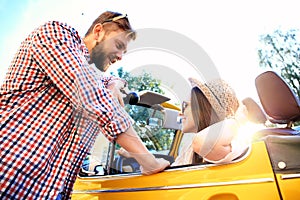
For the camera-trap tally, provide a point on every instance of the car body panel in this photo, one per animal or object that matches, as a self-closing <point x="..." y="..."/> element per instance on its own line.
<point x="289" y="185"/>
<point x="250" y="178"/>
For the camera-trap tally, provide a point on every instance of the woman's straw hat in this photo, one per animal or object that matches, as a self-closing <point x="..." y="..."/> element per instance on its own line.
<point x="220" y="95"/>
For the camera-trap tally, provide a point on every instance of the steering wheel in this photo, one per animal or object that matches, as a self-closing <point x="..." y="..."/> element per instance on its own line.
<point x="121" y="161"/>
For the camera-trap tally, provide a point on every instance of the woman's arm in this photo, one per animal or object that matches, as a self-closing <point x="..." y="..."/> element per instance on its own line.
<point x="214" y="142"/>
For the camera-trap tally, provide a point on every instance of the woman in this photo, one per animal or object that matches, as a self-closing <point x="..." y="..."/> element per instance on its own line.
<point x="214" y="115"/>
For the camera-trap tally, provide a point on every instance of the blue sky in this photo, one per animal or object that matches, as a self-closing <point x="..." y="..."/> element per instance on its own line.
<point x="227" y="30"/>
<point x="10" y="13"/>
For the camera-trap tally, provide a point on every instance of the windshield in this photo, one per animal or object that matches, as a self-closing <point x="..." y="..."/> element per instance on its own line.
<point x="148" y="122"/>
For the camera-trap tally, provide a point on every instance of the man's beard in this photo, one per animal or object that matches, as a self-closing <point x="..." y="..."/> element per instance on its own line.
<point x="98" y="57"/>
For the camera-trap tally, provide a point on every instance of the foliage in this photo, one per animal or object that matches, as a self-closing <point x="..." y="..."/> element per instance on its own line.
<point x="155" y="138"/>
<point x="140" y="83"/>
<point x="280" y="51"/>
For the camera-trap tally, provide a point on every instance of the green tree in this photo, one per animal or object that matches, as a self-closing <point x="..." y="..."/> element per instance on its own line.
<point x="140" y="83"/>
<point x="280" y="51"/>
<point x="161" y="139"/>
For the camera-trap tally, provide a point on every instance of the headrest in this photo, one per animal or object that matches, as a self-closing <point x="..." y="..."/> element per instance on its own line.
<point x="255" y="112"/>
<point x="278" y="100"/>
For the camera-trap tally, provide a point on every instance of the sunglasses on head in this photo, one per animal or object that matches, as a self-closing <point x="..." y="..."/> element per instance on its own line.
<point x="115" y="18"/>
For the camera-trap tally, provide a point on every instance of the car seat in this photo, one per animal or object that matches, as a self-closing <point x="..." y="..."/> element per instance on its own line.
<point x="279" y="102"/>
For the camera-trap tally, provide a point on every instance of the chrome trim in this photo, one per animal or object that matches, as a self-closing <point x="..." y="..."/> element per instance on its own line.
<point x="105" y="177"/>
<point x="289" y="176"/>
<point x="134" y="174"/>
<point x="199" y="185"/>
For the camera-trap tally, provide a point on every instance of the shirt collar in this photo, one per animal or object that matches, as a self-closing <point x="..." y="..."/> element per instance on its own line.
<point x="85" y="51"/>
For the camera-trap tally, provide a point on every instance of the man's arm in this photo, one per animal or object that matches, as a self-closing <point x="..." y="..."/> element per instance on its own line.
<point x="61" y="57"/>
<point x="136" y="149"/>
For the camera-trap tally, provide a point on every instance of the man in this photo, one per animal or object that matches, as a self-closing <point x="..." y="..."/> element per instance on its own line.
<point x="53" y="103"/>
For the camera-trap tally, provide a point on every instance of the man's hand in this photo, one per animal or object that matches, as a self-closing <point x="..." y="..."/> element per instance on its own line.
<point x="115" y="87"/>
<point x="151" y="165"/>
<point x="148" y="163"/>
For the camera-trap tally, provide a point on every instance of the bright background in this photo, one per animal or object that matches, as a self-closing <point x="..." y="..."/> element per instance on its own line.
<point x="227" y="30"/>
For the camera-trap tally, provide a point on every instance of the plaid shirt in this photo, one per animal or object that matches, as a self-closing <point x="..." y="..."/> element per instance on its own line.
<point x="52" y="106"/>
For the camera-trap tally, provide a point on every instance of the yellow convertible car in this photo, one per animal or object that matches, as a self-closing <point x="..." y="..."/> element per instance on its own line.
<point x="269" y="169"/>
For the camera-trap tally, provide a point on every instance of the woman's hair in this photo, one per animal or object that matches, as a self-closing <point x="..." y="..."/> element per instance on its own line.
<point x="109" y="24"/>
<point x="203" y="113"/>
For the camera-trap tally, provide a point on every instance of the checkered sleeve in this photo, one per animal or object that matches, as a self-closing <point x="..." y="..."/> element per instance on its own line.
<point x="58" y="50"/>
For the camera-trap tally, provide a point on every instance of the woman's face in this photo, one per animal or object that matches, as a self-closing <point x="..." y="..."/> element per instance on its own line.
<point x="188" y="123"/>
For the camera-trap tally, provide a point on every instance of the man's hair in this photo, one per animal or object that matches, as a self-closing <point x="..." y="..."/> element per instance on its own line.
<point x="106" y="19"/>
